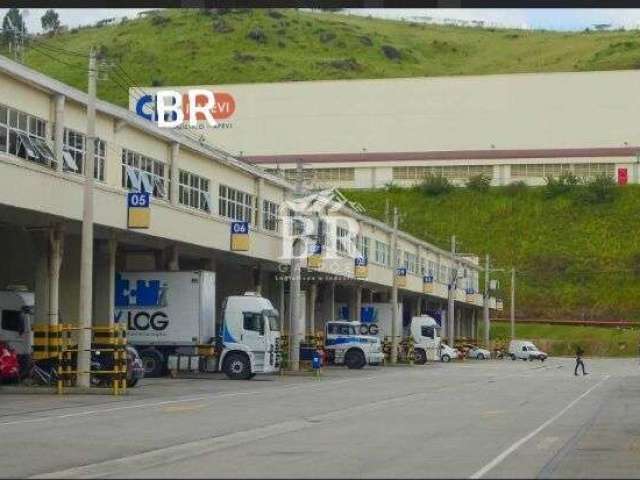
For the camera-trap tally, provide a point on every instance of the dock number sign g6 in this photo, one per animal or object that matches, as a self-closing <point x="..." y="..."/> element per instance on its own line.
<point x="240" y="236"/>
<point x="138" y="211"/>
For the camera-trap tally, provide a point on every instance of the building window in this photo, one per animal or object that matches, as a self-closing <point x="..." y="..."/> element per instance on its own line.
<point x="193" y="191"/>
<point x="451" y="172"/>
<point x="24" y="136"/>
<point x="142" y="173"/>
<point x="382" y="253"/>
<point x="74" y="154"/>
<point x="432" y="269"/>
<point x="410" y="262"/>
<point x="270" y="215"/>
<point x="363" y="245"/>
<point x="322" y="174"/>
<point x="342" y="240"/>
<point x="235" y="204"/>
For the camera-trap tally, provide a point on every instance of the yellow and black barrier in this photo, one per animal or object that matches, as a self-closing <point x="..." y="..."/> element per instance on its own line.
<point x="109" y="340"/>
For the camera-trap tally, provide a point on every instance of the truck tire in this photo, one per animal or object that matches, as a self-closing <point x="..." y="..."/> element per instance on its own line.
<point x="153" y="362"/>
<point x="354" y="359"/>
<point x="420" y="356"/>
<point x="237" y="367"/>
<point x="445" y="358"/>
<point x="480" y="356"/>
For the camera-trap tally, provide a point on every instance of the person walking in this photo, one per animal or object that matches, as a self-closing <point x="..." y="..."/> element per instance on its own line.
<point x="579" y="362"/>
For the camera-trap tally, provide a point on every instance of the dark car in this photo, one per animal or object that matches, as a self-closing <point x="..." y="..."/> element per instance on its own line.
<point x="135" y="368"/>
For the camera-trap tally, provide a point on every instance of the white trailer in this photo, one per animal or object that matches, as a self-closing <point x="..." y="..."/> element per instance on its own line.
<point x="169" y="313"/>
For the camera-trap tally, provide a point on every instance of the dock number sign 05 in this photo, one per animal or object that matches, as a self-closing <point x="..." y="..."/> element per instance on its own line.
<point x="138" y="211"/>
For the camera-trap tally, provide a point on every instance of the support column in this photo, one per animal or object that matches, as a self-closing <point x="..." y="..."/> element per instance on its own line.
<point x="257" y="279"/>
<point x="358" y="304"/>
<point x="174" y="177"/>
<point x="419" y="306"/>
<point x="56" y="245"/>
<point x="297" y="329"/>
<point x="42" y="277"/>
<point x="112" y="251"/>
<point x="58" y="134"/>
<point x="173" y="263"/>
<point x="281" y="306"/>
<point x="312" y="293"/>
<point x="332" y="301"/>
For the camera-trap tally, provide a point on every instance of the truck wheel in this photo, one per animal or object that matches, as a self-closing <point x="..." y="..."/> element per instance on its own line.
<point x="237" y="367"/>
<point x="354" y="359"/>
<point x="513" y="356"/>
<point x="445" y="358"/>
<point x="153" y="362"/>
<point x="420" y="356"/>
<point x="480" y="356"/>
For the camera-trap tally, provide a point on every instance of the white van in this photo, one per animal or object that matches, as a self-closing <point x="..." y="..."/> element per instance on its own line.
<point x="525" y="350"/>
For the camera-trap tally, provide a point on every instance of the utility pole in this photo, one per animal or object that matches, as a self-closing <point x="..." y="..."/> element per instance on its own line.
<point x="513" y="304"/>
<point x="296" y="333"/>
<point x="485" y="305"/>
<point x="452" y="292"/>
<point x="86" y="258"/>
<point x="394" y="289"/>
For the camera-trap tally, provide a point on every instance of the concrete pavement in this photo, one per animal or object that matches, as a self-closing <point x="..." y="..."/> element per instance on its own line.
<point x="473" y="419"/>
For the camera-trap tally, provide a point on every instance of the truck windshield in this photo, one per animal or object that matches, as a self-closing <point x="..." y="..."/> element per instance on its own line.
<point x="272" y="318"/>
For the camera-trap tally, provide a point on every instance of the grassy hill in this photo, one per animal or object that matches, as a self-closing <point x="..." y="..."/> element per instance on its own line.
<point x="575" y="259"/>
<point x="190" y="47"/>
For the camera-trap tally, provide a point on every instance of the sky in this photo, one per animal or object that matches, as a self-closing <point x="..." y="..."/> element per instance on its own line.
<point x="553" y="19"/>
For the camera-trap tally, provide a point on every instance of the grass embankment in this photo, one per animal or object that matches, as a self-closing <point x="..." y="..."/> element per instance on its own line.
<point x="562" y="339"/>
<point x="190" y="47"/>
<point x="575" y="260"/>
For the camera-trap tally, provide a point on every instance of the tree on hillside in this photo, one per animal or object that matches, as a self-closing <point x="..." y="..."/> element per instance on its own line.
<point x="11" y="24"/>
<point x="50" y="21"/>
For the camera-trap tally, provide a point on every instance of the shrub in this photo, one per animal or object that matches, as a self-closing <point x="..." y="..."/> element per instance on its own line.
<point x="434" y="185"/>
<point x="274" y="14"/>
<point x="159" y="20"/>
<point x="479" y="183"/>
<point x="220" y="26"/>
<point x="257" y="34"/>
<point x="516" y="188"/>
<point x="347" y="64"/>
<point x="392" y="187"/>
<point x="391" y="52"/>
<point x="326" y="37"/>
<point x="600" y="189"/>
<point x="366" y="41"/>
<point x="560" y="185"/>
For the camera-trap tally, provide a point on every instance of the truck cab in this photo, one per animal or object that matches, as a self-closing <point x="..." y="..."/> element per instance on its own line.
<point x="345" y="346"/>
<point x="427" y="343"/>
<point x="250" y="336"/>
<point x="16" y="317"/>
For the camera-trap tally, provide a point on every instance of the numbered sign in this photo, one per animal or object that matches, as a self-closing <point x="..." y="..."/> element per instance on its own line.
<point x="401" y="277"/>
<point x="314" y="257"/>
<point x="361" y="267"/>
<point x="138" y="211"/>
<point x="240" y="236"/>
<point x="427" y="284"/>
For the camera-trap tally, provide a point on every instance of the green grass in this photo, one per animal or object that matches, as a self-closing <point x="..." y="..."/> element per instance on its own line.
<point x="186" y="50"/>
<point x="575" y="260"/>
<point x="563" y="339"/>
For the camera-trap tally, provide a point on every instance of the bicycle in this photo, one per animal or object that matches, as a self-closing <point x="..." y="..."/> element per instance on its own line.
<point x="45" y="375"/>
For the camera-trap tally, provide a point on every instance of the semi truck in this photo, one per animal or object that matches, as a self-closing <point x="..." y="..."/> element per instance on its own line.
<point x="346" y="346"/>
<point x="16" y="318"/>
<point x="170" y="313"/>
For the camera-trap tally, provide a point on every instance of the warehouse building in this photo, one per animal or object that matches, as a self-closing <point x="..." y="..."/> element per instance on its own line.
<point x="369" y="133"/>
<point x="197" y="191"/>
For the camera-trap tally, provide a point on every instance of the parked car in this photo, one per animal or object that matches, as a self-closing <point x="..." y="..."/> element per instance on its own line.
<point x="478" y="353"/>
<point x="100" y="361"/>
<point x="448" y="353"/>
<point x="525" y="350"/>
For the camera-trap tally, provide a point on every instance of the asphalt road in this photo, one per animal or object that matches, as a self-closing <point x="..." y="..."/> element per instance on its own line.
<point x="473" y="419"/>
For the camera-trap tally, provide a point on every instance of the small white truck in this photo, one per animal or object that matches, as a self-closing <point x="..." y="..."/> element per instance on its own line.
<point x="171" y="313"/>
<point x="346" y="346"/>
<point x="525" y="350"/>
